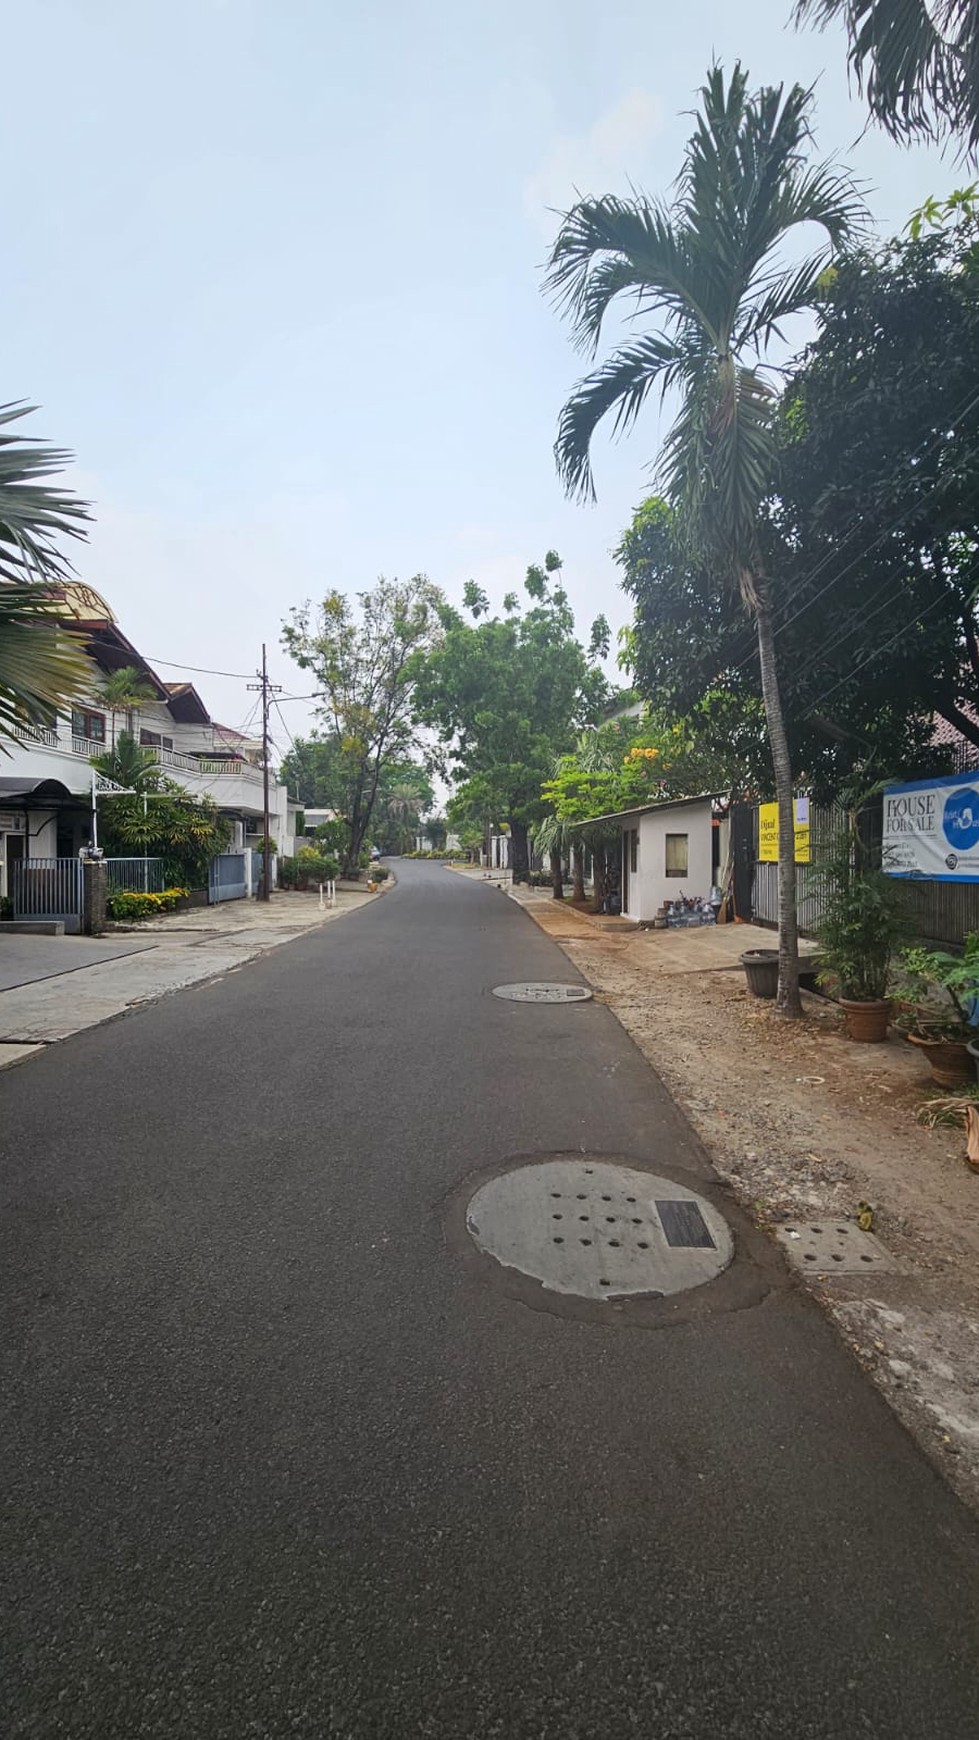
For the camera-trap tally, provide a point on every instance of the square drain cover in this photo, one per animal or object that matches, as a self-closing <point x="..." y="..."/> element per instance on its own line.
<point x="684" y="1225"/>
<point x="833" y="1247"/>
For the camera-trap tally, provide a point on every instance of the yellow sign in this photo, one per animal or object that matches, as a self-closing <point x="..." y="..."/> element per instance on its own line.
<point x="768" y="832"/>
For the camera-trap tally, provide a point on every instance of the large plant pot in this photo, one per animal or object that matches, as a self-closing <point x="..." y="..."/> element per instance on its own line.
<point x="948" y="1059"/>
<point x="761" y="971"/>
<point x="866" y="1022"/>
<point x="973" y="1049"/>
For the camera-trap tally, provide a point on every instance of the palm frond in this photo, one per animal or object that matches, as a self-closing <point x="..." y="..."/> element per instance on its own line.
<point x="916" y="63"/>
<point x="647" y="252"/>
<point x="622" y="385"/>
<point x="42" y="664"/>
<point x="33" y="514"/>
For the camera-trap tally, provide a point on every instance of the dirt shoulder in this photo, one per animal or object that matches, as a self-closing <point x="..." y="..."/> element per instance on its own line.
<point x="801" y="1122"/>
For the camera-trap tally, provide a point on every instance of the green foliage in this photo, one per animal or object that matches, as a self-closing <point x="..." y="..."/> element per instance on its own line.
<point x="129" y="764"/>
<point x="186" y="832"/>
<point x="122" y="905"/>
<point x="505" y="695"/>
<point x="926" y="971"/>
<point x="916" y="62"/>
<point x="877" y="516"/>
<point x="316" y="866"/>
<point x="43" y="667"/>
<point x="362" y="656"/>
<point x="124" y="691"/>
<point x="864" y="920"/>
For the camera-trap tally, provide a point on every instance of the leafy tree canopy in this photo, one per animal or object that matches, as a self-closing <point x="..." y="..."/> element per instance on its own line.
<point x="505" y="695"/>
<point x="871" y="533"/>
<point x="361" y="654"/>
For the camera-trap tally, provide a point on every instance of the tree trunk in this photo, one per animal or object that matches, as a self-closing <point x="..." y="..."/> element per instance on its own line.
<point x="788" y="1001"/>
<point x="519" y="852"/>
<point x="578" y="874"/>
<point x="557" y="873"/>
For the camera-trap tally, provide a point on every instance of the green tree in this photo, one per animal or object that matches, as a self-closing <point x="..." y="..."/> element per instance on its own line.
<point x="506" y="694"/>
<point x="917" y="61"/>
<point x="129" y="764"/>
<point x="313" y="772"/>
<point x="169" y="823"/>
<point x="711" y="268"/>
<point x="42" y="664"/>
<point x="124" y="691"/>
<point x="362" y="658"/>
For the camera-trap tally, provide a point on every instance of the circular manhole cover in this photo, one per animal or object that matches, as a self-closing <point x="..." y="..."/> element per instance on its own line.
<point x="544" y="992"/>
<point x="599" y="1230"/>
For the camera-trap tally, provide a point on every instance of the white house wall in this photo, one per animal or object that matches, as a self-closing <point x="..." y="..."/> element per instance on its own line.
<point x="650" y="887"/>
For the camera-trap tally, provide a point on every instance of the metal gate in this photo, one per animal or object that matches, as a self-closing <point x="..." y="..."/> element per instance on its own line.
<point x="48" y="888"/>
<point x="135" y="875"/>
<point x="227" y="878"/>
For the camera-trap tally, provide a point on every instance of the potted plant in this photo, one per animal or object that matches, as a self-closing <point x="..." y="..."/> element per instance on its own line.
<point x="862" y="924"/>
<point x="941" y="991"/>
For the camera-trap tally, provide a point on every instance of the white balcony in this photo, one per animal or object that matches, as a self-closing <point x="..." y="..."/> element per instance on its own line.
<point x="39" y="754"/>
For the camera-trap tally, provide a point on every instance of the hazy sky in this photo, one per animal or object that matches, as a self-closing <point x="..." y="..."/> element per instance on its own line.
<point x="273" y="273"/>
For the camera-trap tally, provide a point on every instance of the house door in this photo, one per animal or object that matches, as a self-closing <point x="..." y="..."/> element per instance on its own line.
<point x="13" y="853"/>
<point x="630" y="867"/>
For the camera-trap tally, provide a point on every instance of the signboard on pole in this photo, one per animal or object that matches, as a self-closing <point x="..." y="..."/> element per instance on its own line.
<point x="931" y="828"/>
<point x="768" y="832"/>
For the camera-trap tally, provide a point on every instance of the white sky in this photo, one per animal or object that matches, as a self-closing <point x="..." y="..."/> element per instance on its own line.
<point x="273" y="273"/>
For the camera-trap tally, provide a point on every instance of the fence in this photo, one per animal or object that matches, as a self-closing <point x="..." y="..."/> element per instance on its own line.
<point x="942" y="912"/>
<point x="48" y="888"/>
<point x="135" y="875"/>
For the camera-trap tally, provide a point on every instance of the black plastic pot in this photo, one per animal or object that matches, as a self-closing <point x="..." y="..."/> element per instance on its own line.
<point x="761" y="971"/>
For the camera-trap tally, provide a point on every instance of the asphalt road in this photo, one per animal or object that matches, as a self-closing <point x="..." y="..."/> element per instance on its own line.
<point x="278" y="1461"/>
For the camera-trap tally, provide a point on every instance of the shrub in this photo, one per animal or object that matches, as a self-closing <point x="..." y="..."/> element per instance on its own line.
<point x="124" y="905"/>
<point x="380" y="872"/>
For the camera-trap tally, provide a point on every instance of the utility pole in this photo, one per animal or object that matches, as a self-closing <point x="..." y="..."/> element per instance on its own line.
<point x="267" y="689"/>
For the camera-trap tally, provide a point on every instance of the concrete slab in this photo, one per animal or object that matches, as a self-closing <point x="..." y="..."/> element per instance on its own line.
<point x="16" y="1053"/>
<point x="26" y="959"/>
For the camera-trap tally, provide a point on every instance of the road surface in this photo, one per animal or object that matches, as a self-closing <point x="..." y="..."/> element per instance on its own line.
<point x="280" y="1462"/>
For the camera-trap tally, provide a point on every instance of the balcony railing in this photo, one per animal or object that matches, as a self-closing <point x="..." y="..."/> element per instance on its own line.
<point x="173" y="758"/>
<point x="38" y="734"/>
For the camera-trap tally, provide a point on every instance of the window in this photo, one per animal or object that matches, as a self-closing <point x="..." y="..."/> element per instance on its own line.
<point x="634" y="850"/>
<point x="676" y="854"/>
<point x="153" y="740"/>
<point x="86" y="724"/>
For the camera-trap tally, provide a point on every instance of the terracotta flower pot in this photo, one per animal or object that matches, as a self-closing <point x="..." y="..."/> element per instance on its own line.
<point x="866" y="1022"/>
<point x="948" y="1059"/>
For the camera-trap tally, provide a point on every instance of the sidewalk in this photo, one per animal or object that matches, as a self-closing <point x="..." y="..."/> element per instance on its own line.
<point x="805" y="1125"/>
<point x="77" y="982"/>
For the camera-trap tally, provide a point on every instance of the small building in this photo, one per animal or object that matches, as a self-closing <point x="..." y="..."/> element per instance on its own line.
<point x="667" y="849"/>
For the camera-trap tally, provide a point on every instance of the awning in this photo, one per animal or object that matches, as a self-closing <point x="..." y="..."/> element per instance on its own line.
<point x="40" y="791"/>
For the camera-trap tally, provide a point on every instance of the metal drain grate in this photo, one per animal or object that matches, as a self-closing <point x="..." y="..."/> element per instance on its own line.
<point x="833" y="1247"/>
<point x="544" y="992"/>
<point x="596" y="1229"/>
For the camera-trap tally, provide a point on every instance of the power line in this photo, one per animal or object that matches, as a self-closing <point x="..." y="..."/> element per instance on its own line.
<point x="201" y="670"/>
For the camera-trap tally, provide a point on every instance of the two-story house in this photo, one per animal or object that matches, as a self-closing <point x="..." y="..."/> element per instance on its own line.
<point x="46" y="779"/>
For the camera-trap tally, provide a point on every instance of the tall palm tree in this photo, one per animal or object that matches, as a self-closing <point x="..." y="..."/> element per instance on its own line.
<point x="916" y="60"/>
<point x="125" y="691"/>
<point x="710" y="268"/>
<point x="42" y="664"/>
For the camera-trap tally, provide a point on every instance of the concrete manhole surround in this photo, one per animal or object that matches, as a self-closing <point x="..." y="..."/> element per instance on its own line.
<point x="598" y="1230"/>
<point x="833" y="1247"/>
<point x="543" y="991"/>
